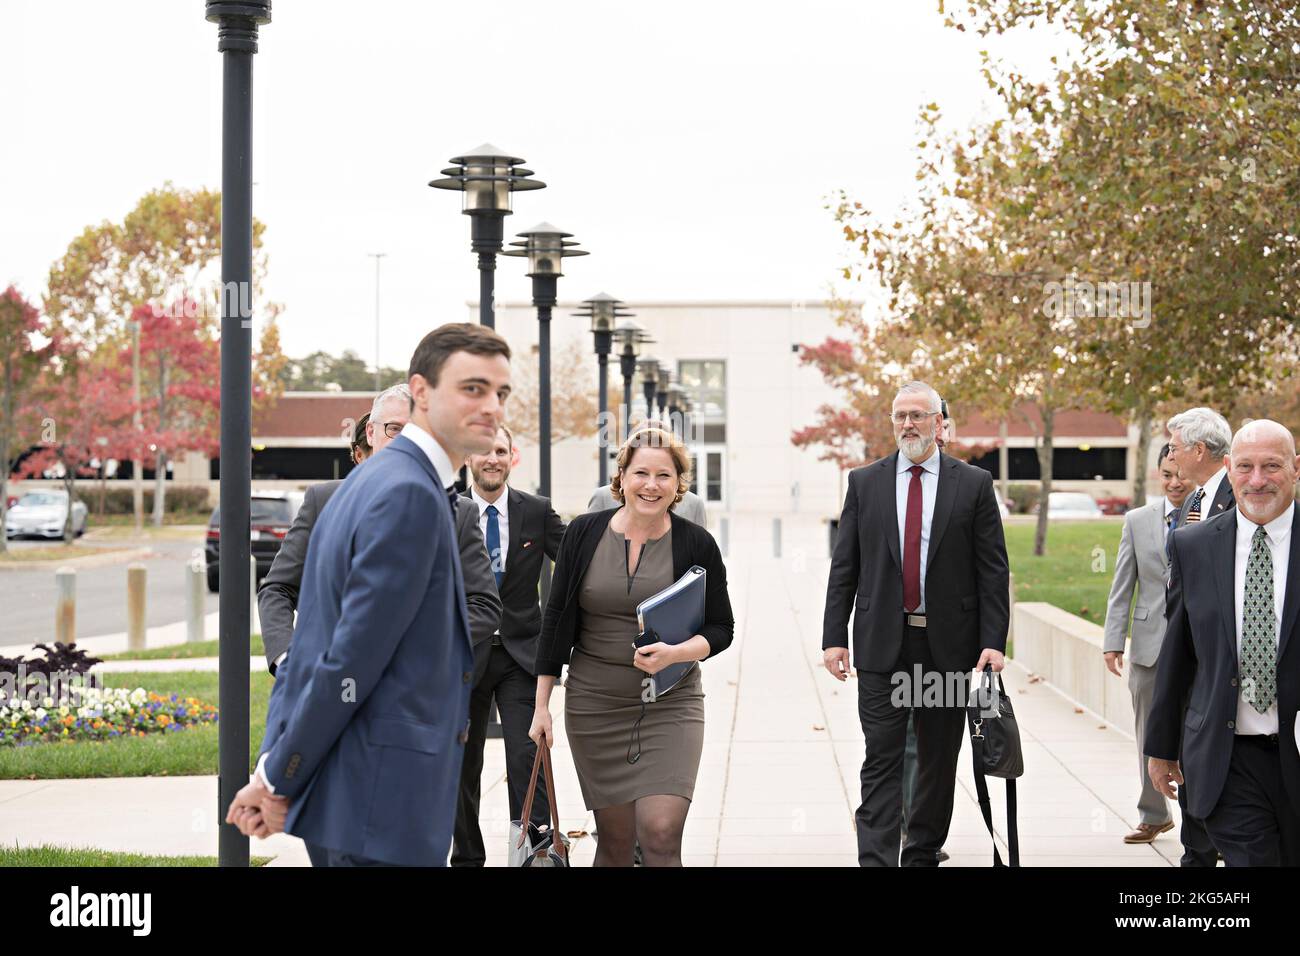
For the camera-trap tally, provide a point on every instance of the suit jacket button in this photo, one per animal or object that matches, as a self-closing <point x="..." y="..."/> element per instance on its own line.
<point x="464" y="737"/>
<point x="1233" y="682"/>
<point x="1232" y="724"/>
<point x="468" y="676"/>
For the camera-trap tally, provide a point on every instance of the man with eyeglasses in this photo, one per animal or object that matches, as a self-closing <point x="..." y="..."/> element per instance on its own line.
<point x="277" y="598"/>
<point x="921" y="564"/>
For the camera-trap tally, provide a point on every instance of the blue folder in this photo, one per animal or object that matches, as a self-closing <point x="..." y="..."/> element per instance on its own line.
<point x="674" y="615"/>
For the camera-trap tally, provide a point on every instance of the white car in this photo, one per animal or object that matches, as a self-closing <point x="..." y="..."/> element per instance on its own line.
<point x="1072" y="504"/>
<point x="1003" y="510"/>
<point x="44" y="513"/>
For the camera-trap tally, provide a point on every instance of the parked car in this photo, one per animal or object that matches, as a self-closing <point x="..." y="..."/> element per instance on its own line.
<point x="1071" y="504"/>
<point x="1113" y="505"/>
<point x="44" y="514"/>
<point x="272" y="514"/>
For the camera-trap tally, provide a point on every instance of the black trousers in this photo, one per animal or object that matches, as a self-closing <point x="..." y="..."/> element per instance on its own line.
<point x="1254" y="823"/>
<point x="939" y="730"/>
<point x="515" y="690"/>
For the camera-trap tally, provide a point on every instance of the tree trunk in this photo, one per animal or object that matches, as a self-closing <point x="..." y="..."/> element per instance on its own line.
<point x="1045" y="474"/>
<point x="159" y="487"/>
<point x="1143" y="421"/>
<point x="4" y="487"/>
<point x="70" y="486"/>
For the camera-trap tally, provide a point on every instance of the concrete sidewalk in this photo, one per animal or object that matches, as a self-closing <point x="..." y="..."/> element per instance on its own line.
<point x="778" y="781"/>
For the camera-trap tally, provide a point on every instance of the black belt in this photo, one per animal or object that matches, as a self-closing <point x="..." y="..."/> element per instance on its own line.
<point x="1263" y="740"/>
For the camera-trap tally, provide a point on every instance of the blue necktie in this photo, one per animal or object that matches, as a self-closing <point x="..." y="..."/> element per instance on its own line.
<point x="494" y="543"/>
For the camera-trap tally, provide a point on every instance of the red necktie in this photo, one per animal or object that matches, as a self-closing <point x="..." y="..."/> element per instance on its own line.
<point x="912" y="543"/>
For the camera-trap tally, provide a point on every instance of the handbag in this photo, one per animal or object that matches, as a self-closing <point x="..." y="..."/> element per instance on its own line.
<point x="531" y="845"/>
<point x="995" y="752"/>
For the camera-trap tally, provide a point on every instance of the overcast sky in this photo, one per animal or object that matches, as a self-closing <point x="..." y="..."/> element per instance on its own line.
<point x="691" y="147"/>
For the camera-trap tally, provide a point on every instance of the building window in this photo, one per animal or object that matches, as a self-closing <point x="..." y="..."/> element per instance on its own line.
<point x="705" y="384"/>
<point x="1068" y="464"/>
<point x="711" y="476"/>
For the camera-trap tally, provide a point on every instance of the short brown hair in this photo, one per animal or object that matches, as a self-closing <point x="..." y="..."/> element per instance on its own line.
<point x="359" y="440"/>
<point x="510" y="439"/>
<point x="436" y="347"/>
<point x="653" y="438"/>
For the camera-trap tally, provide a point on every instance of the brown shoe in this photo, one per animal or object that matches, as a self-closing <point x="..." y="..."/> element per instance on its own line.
<point x="1147" y="832"/>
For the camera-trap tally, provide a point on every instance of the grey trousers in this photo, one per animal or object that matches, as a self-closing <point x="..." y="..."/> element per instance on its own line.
<point x="1152" y="805"/>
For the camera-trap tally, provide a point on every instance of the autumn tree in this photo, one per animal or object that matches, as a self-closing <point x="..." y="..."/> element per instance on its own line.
<point x="22" y="357"/>
<point x="574" y="408"/>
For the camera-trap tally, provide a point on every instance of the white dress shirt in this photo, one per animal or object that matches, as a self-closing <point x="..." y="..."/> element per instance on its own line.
<point x="929" y="490"/>
<point x="498" y="560"/>
<point x="1211" y="487"/>
<point x="442" y="465"/>
<point x="1278" y="537"/>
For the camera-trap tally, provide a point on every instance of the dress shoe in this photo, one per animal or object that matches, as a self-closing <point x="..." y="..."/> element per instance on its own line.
<point x="1147" y="832"/>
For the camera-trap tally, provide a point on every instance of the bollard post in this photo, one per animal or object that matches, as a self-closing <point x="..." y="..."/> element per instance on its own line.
<point x="254" y="622"/>
<point x="724" y="527"/>
<point x="135" y="607"/>
<point x="65" y="605"/>
<point x="776" y="537"/>
<point x="195" y="588"/>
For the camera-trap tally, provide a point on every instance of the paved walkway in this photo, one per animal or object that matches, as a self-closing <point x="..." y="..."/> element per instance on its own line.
<point x="779" y="777"/>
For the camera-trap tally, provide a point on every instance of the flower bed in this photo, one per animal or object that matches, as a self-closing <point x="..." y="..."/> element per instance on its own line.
<point x="94" y="713"/>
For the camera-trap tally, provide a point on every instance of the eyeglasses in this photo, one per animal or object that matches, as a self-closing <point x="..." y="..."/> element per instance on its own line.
<point x="391" y="429"/>
<point x="900" y="418"/>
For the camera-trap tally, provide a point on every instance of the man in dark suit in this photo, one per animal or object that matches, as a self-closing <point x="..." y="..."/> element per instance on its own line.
<point x="1233" y="607"/>
<point x="1198" y="446"/>
<point x="518" y="529"/>
<point x="277" y="598"/>
<point x="921" y="563"/>
<point x="365" y="733"/>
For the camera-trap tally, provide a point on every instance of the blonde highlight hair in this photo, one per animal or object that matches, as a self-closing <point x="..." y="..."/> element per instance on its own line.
<point x="653" y="438"/>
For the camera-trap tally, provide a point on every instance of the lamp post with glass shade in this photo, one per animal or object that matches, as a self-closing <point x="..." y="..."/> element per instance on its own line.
<point x="546" y="248"/>
<point x="661" y="390"/>
<point x="630" y="337"/>
<point x="603" y="311"/>
<point x="648" y="366"/>
<point x="676" y="395"/>
<point x="487" y="176"/>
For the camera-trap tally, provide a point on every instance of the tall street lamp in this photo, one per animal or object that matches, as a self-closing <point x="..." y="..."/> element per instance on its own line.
<point x="661" y="390"/>
<point x="377" y="256"/>
<point x="237" y="22"/>
<point x="630" y="337"/>
<point x="546" y="248"/>
<point x="603" y="311"/>
<point x="487" y="177"/>
<point x="648" y="366"/>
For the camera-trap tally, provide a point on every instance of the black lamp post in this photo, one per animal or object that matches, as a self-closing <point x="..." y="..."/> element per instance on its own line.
<point x="237" y="24"/>
<point x="661" y="390"/>
<point x="648" y="366"/>
<point x="675" y="396"/>
<point x="630" y="337"/>
<point x="603" y="311"/>
<point x="546" y="248"/>
<point x="487" y="177"/>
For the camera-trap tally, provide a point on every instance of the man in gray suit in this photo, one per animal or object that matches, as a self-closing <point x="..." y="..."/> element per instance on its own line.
<point x="1141" y="569"/>
<point x="277" y="598"/>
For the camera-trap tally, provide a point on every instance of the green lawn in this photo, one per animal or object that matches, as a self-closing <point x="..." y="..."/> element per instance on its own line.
<point x="54" y="551"/>
<point x="83" y="856"/>
<point x="181" y="651"/>
<point x="183" y="753"/>
<point x="1076" y="570"/>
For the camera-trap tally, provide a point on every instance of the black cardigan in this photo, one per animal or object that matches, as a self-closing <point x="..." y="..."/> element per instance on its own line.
<point x="692" y="545"/>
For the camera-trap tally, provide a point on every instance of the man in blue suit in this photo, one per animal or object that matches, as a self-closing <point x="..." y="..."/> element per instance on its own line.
<point x="366" y="729"/>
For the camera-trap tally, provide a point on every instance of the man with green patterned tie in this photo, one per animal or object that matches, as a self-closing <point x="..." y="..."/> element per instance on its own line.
<point x="1233" y="607"/>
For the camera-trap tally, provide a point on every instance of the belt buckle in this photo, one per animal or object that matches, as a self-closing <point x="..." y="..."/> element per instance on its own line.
<point x="916" y="620"/>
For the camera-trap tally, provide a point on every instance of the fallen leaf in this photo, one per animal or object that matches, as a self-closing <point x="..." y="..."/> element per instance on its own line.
<point x="1101" y="726"/>
<point x="576" y="834"/>
<point x="1078" y="710"/>
<point x="818" y="727"/>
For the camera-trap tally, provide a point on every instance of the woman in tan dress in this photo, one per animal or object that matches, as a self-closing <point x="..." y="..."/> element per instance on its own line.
<point x="636" y="758"/>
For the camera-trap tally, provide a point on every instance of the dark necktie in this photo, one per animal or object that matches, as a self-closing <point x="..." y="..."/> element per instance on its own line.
<point x="1194" y="509"/>
<point x="452" y="495"/>
<point x="1169" y="529"/>
<point x="912" y="543"/>
<point x="494" y="544"/>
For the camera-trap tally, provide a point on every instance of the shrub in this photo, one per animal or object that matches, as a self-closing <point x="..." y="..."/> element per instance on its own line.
<point x="1023" y="497"/>
<point x="118" y="501"/>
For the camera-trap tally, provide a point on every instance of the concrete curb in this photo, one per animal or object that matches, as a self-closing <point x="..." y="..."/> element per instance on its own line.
<point x="85" y="561"/>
